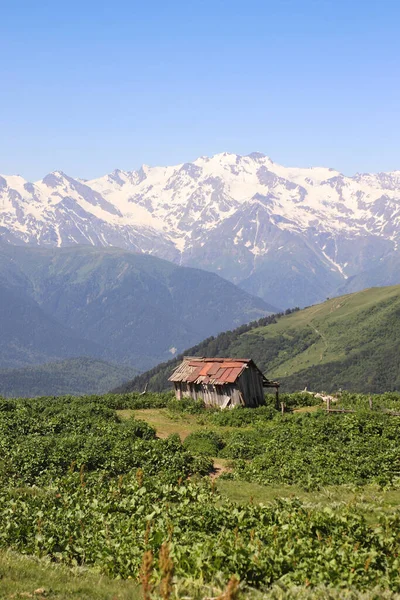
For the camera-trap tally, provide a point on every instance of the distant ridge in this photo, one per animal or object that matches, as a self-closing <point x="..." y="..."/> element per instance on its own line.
<point x="73" y="376"/>
<point x="109" y="304"/>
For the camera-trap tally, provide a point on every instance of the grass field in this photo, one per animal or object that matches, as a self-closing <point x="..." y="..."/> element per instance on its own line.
<point x="28" y="577"/>
<point x="164" y="423"/>
<point x="23" y="577"/>
<point x="370" y="498"/>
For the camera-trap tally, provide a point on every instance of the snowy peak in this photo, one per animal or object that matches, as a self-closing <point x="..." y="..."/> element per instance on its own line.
<point x="232" y="214"/>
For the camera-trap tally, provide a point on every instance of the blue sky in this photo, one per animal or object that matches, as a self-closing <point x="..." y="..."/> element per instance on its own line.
<point x="86" y="86"/>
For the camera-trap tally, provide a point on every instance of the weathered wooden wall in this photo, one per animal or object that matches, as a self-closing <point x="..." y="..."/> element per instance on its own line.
<point x="250" y="383"/>
<point x="247" y="391"/>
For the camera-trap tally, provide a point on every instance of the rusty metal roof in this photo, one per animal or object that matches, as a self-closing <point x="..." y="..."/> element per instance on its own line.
<point x="215" y="371"/>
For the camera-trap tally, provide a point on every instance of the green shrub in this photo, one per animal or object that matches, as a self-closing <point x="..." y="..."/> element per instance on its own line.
<point x="294" y="400"/>
<point x="241" y="417"/>
<point x="380" y="402"/>
<point x="106" y="490"/>
<point x="207" y="443"/>
<point x="314" y="449"/>
<point x="105" y="522"/>
<point x="243" y="445"/>
<point x="40" y="439"/>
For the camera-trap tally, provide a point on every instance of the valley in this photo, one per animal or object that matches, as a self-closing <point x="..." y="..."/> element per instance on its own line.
<point x="110" y="304"/>
<point x="75" y="376"/>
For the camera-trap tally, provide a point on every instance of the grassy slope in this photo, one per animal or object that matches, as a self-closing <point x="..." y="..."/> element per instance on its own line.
<point x="349" y="342"/>
<point x="338" y="326"/>
<point x="28" y="577"/>
<point x="353" y="343"/>
<point x="346" y="335"/>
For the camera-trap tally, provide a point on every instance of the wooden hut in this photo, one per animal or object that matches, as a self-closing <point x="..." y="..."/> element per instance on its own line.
<point x="223" y="382"/>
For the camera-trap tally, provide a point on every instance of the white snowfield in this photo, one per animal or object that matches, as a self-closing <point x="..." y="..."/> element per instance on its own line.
<point x="245" y="205"/>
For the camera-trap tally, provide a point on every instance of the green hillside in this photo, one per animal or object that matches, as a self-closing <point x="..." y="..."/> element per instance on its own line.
<point x="75" y="376"/>
<point x="350" y="342"/>
<point x="108" y="303"/>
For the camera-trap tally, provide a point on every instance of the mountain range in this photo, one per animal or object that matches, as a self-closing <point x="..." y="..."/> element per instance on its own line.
<point x="109" y="304"/>
<point x="349" y="342"/>
<point x="292" y="236"/>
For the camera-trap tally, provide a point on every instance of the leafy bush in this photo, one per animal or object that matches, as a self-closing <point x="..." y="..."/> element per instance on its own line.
<point x="294" y="400"/>
<point x="313" y="449"/>
<point x="241" y="417"/>
<point x="39" y="439"/>
<point x="107" y="522"/>
<point x="204" y="442"/>
<point x="106" y="490"/>
<point x="243" y="445"/>
<point x="380" y="402"/>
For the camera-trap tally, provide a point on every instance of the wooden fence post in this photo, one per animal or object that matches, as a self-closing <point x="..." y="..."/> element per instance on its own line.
<point x="370" y="402"/>
<point x="283" y="408"/>
<point x="328" y="405"/>
<point x="277" y="398"/>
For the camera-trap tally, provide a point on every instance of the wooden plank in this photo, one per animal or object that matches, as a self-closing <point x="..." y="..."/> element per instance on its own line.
<point x="226" y="402"/>
<point x="218" y="374"/>
<point x="194" y="375"/>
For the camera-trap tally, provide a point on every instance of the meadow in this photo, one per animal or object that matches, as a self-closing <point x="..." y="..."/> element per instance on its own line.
<point x="129" y="496"/>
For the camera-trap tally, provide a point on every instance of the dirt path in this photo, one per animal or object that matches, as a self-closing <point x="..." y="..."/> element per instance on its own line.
<point x="220" y="467"/>
<point x="323" y="338"/>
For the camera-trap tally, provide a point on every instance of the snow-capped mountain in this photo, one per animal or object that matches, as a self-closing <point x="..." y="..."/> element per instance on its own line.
<point x="290" y="235"/>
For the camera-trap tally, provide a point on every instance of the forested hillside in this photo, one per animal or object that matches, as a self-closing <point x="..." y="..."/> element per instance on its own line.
<point x="350" y="342"/>
<point x="109" y="304"/>
<point x="75" y="376"/>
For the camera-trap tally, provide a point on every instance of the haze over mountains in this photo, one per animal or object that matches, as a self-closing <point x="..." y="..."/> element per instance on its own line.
<point x="110" y="304"/>
<point x="292" y="236"/>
